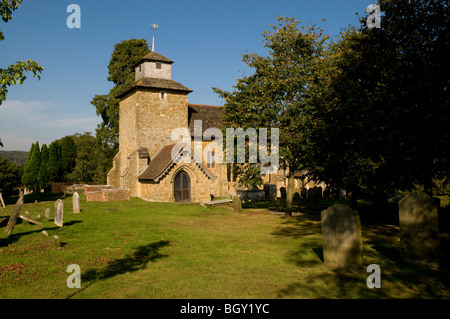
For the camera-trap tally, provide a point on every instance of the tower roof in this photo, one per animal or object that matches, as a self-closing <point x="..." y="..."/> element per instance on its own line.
<point x="152" y="56"/>
<point x="152" y="83"/>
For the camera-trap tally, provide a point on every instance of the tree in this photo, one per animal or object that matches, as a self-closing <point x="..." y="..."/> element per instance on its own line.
<point x="44" y="181"/>
<point x="121" y="72"/>
<point x="15" y="73"/>
<point x="10" y="175"/>
<point x="274" y="96"/>
<point x="380" y="105"/>
<point x="54" y="162"/>
<point x="89" y="160"/>
<point x="68" y="156"/>
<point x="31" y="170"/>
<point x="26" y="177"/>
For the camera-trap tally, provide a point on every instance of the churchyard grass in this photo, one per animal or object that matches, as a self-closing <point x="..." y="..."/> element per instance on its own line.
<point x="138" y="249"/>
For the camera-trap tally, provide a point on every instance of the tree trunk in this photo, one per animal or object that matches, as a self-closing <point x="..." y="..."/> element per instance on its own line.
<point x="289" y="194"/>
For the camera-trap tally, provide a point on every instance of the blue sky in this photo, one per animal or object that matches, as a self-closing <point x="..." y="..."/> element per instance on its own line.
<point x="206" y="39"/>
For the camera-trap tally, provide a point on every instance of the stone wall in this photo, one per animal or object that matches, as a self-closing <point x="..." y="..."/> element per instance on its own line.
<point x="94" y="196"/>
<point x="111" y="195"/>
<point x="95" y="188"/>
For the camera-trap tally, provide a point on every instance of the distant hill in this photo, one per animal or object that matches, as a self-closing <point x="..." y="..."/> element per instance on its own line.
<point x="19" y="157"/>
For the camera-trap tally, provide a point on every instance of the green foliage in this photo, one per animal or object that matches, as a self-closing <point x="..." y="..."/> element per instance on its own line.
<point x="10" y="175"/>
<point x="249" y="176"/>
<point x="380" y="106"/>
<point x="19" y="157"/>
<point x="274" y="95"/>
<point x="54" y="162"/>
<point x="90" y="161"/>
<point x="30" y="176"/>
<point x="26" y="177"/>
<point x="121" y="72"/>
<point x="44" y="181"/>
<point x="68" y="156"/>
<point x="15" y="73"/>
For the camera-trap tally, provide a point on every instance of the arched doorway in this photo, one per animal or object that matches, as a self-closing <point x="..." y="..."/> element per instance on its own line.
<point x="182" y="187"/>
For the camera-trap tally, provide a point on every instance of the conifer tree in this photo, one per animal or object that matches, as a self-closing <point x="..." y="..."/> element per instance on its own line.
<point x="43" y="171"/>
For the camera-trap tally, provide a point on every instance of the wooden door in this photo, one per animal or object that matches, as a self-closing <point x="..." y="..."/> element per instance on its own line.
<point x="182" y="187"/>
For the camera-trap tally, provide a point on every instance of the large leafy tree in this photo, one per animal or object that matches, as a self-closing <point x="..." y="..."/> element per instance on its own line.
<point x="15" y="73"/>
<point x="121" y="72"/>
<point x="125" y="55"/>
<point x="10" y="175"/>
<point x="89" y="160"/>
<point x="274" y="95"/>
<point x="380" y="105"/>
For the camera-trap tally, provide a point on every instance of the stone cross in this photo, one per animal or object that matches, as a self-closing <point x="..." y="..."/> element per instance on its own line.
<point x="419" y="230"/>
<point x="76" y="202"/>
<point x="341" y="236"/>
<point x="59" y="213"/>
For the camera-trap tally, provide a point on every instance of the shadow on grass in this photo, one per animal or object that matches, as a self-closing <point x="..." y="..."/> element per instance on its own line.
<point x="4" y="242"/>
<point x="381" y="246"/>
<point x="136" y="261"/>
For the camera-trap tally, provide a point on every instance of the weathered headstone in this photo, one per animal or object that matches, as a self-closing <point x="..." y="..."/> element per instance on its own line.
<point x="237" y="204"/>
<point x="14" y="215"/>
<point x="47" y="213"/>
<point x="59" y="213"/>
<point x="341" y="236"/>
<point x="419" y="230"/>
<point x="76" y="202"/>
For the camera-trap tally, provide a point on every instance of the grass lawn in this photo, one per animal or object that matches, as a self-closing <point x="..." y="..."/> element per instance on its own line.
<point x="138" y="249"/>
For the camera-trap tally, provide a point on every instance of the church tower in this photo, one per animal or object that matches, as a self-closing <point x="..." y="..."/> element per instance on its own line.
<point x="149" y="111"/>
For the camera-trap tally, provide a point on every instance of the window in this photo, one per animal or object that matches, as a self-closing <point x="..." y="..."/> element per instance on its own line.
<point x="162" y="95"/>
<point x="210" y="161"/>
<point x="158" y="65"/>
<point x="140" y="68"/>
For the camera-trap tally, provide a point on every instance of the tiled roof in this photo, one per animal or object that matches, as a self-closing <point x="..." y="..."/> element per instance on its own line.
<point x="163" y="161"/>
<point x="154" y="83"/>
<point x="210" y="116"/>
<point x="155" y="57"/>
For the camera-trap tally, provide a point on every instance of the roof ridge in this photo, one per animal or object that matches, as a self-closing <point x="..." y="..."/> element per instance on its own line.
<point x="204" y="105"/>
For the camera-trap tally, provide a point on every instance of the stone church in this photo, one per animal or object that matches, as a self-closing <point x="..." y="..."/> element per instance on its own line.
<point x="146" y="163"/>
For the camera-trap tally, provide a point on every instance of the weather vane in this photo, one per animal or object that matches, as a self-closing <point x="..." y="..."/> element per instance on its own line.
<point x="155" y="27"/>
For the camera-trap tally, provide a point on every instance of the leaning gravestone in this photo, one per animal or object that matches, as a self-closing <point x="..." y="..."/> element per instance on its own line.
<point x="341" y="236"/>
<point x="76" y="202"/>
<point x="14" y="215"/>
<point x="237" y="204"/>
<point x="59" y="213"/>
<point x="419" y="229"/>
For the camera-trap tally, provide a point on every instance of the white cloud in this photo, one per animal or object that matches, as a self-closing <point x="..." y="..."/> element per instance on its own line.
<point x="25" y="122"/>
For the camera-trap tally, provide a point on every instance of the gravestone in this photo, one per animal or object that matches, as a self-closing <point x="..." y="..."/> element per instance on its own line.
<point x="47" y="213"/>
<point x="59" y="213"/>
<point x="14" y="215"/>
<point x="419" y="230"/>
<point x="237" y="204"/>
<point x="341" y="236"/>
<point x="76" y="202"/>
